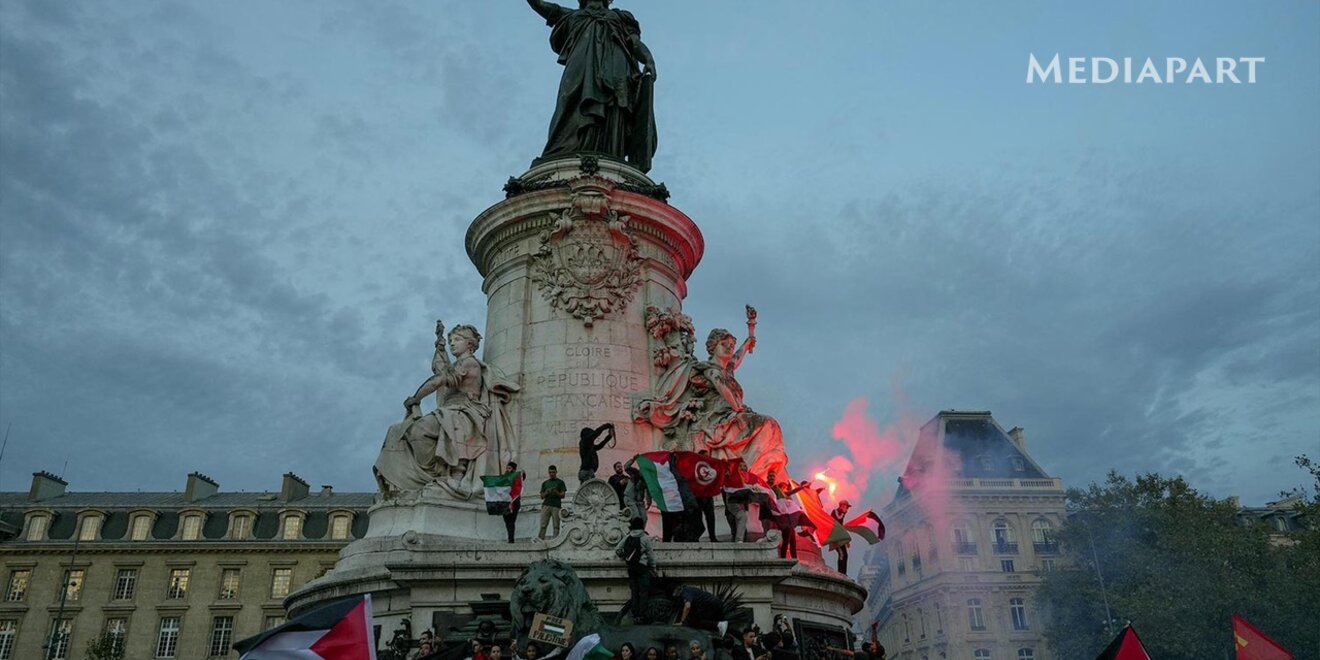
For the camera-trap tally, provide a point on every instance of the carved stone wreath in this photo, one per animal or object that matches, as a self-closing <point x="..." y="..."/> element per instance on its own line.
<point x="587" y="265"/>
<point x="594" y="519"/>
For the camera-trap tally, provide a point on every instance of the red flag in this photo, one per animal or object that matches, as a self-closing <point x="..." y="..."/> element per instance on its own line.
<point x="828" y="530"/>
<point x="1252" y="644"/>
<point x="1127" y="646"/>
<point x="339" y="631"/>
<point x="733" y="477"/>
<point x="704" y="475"/>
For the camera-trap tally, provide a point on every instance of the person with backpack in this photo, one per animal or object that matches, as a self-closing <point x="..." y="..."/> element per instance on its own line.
<point x="638" y="552"/>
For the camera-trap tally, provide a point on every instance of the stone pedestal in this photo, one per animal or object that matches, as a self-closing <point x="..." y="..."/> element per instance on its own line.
<point x="570" y="264"/>
<point x="415" y="575"/>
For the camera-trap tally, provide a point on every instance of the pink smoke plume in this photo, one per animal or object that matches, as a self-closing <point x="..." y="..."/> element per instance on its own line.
<point x="872" y="451"/>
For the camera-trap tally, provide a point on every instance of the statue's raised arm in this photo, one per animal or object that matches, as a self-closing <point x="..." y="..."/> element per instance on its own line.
<point x="605" y="95"/>
<point x="550" y="11"/>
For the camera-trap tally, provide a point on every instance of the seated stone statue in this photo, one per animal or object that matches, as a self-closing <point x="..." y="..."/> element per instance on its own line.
<point x="700" y="403"/>
<point x="467" y="435"/>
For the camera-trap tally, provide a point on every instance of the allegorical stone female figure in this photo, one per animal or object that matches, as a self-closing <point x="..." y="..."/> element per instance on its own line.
<point x="700" y="403"/>
<point x="467" y="435"/>
<point x="605" y="96"/>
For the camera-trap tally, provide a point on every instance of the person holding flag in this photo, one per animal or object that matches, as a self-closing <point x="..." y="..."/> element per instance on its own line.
<point x="504" y="495"/>
<point x="839" y="513"/>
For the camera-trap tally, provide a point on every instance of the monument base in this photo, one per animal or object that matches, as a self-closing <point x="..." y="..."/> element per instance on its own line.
<point x="429" y="578"/>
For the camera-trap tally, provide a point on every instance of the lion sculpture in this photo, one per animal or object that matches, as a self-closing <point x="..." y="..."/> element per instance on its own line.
<point x="553" y="587"/>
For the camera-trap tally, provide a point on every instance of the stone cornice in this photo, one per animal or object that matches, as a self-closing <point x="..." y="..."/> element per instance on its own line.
<point x="18" y="550"/>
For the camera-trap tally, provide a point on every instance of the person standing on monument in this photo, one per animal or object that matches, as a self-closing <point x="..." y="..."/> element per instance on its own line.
<point x="839" y="513"/>
<point x="588" y="449"/>
<point x="553" y="491"/>
<point x="706" y="505"/>
<point x="635" y="494"/>
<point x="605" y="95"/>
<point x="638" y="552"/>
<point x="511" y="518"/>
<point x="619" y="482"/>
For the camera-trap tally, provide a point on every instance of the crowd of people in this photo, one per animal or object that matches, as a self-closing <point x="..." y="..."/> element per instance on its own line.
<point x="634" y="499"/>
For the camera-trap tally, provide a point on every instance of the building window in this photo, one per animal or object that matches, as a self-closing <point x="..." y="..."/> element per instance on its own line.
<point x="907" y="629"/>
<point x="229" y="584"/>
<point x="60" y="632"/>
<point x="963" y="541"/>
<point x="192" y="528"/>
<point x="117" y="630"/>
<point x="921" y="621"/>
<point x="280" y="582"/>
<point x="292" y="528"/>
<point x="975" y="616"/>
<point x="8" y="630"/>
<point x="37" y="528"/>
<point x="339" y="528"/>
<point x="125" y="583"/>
<point x="89" y="528"/>
<point x="1006" y="565"/>
<point x="241" y="528"/>
<point x="967" y="564"/>
<point x="222" y="634"/>
<point x="167" y="641"/>
<point x="1047" y="565"/>
<point x="273" y="622"/>
<point x="1019" y="611"/>
<point x="1026" y="654"/>
<point x="141" y="528"/>
<point x="178" y="585"/>
<point x="1005" y="541"/>
<point x="939" y="619"/>
<point x="73" y="583"/>
<point x="1280" y="523"/>
<point x="1042" y="536"/>
<point x="981" y="654"/>
<point x="18" y="585"/>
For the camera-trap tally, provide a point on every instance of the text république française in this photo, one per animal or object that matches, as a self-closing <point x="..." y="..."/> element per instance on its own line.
<point x="1127" y="70"/>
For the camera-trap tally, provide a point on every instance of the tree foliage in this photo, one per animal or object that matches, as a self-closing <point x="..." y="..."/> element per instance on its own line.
<point x="106" y="647"/>
<point x="1178" y="564"/>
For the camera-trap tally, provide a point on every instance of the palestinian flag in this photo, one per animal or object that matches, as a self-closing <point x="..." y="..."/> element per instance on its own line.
<point x="867" y="526"/>
<point x="1127" y="646"/>
<point x="828" y="531"/>
<point x="339" y="631"/>
<point x="1252" y="644"/>
<point x="589" y="648"/>
<point x="502" y="492"/>
<point x="675" y="479"/>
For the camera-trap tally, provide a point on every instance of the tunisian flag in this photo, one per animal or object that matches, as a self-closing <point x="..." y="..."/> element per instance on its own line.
<point x="339" y="631"/>
<point x="1127" y="646"/>
<point x="1252" y="644"/>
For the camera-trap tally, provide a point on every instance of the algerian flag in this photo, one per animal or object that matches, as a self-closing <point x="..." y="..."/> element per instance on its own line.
<point x="662" y="478"/>
<point x="867" y="526"/>
<point x="590" y="648"/>
<point x="502" y="491"/>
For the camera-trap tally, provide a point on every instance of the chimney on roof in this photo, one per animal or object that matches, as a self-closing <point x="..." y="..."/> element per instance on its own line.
<point x="199" y="487"/>
<point x="293" y="488"/>
<point x="327" y="490"/>
<point x="1019" y="437"/>
<point x="45" y="486"/>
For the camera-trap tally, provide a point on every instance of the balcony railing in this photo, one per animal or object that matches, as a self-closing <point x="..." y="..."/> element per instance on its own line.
<point x="964" y="548"/>
<point x="1046" y="547"/>
<point x="1006" y="548"/>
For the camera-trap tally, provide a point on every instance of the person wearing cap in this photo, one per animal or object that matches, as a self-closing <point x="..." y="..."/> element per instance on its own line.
<point x="840" y="513"/>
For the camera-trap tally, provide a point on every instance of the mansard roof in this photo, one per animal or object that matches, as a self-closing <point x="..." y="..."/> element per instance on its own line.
<point x="968" y="445"/>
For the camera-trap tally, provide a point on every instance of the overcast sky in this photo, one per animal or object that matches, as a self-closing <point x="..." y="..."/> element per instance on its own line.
<point x="226" y="228"/>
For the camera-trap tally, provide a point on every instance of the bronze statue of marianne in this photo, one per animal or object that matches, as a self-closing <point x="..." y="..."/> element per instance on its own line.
<point x="605" y="97"/>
